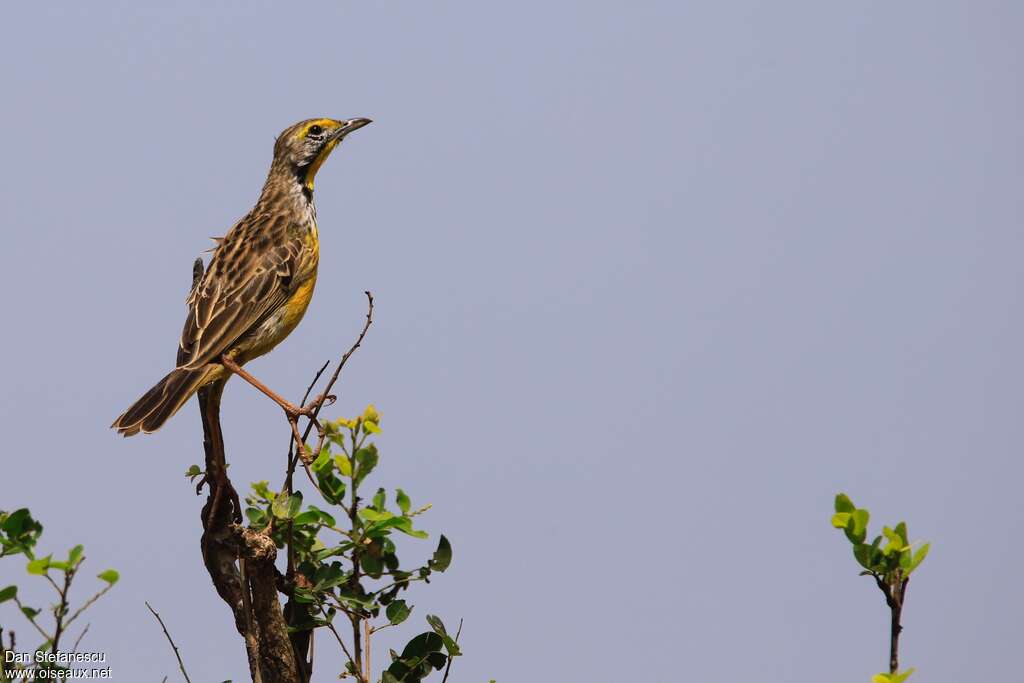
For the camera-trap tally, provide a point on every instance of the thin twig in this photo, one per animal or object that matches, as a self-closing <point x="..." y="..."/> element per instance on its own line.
<point x="88" y="603"/>
<point x="62" y="608"/>
<point x="181" y="664"/>
<point x="354" y="518"/>
<point x="337" y="371"/>
<point x="291" y="443"/>
<point x="894" y="593"/>
<point x="366" y="636"/>
<point x="450" y="658"/>
<point x="32" y="620"/>
<point x="330" y="625"/>
<point x="401" y="582"/>
<point x="81" y="635"/>
<point x="309" y="474"/>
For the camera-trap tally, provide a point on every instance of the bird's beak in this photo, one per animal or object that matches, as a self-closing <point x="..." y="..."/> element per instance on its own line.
<point x="347" y="127"/>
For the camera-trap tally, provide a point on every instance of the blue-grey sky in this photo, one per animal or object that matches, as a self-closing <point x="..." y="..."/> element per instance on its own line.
<point x="654" y="281"/>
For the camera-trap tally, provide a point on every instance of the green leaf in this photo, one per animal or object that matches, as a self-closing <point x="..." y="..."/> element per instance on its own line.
<point x="11" y="591"/>
<point x="262" y="489"/>
<point x="442" y="556"/>
<point x="192" y="472"/>
<point x="332" y="487"/>
<point x="896" y="543"/>
<point x="257" y="517"/>
<point x="110" y="576"/>
<point x="39" y="566"/>
<point x="403" y="501"/>
<point x="343" y="464"/>
<point x="901" y="531"/>
<point x="371" y="515"/>
<point x="919" y="556"/>
<point x="840" y="520"/>
<point x="75" y="553"/>
<point x="436" y="624"/>
<point x="16" y="522"/>
<point x="366" y="459"/>
<point x="287" y="507"/>
<point x="396" y="612"/>
<point x="904" y="559"/>
<point x="864" y="554"/>
<point x="372" y="565"/>
<point x="898" y="677"/>
<point x="323" y="460"/>
<point x="370" y="427"/>
<point x="422" y="644"/>
<point x="404" y="524"/>
<point x="325" y="518"/>
<point x="857" y="526"/>
<point x="329" y="576"/>
<point x="308" y="517"/>
<point x="449" y="643"/>
<point x="437" y="660"/>
<point x="379" y="499"/>
<point x="29" y="612"/>
<point x="294" y="504"/>
<point x="844" y="504"/>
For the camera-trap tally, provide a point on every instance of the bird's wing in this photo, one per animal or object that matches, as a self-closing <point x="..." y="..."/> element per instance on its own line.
<point x="251" y="275"/>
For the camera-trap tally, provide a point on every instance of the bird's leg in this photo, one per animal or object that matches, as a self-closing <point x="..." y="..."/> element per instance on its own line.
<point x="292" y="411"/>
<point x="289" y="408"/>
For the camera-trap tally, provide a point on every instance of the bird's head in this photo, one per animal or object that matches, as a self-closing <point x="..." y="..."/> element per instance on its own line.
<point x="305" y="146"/>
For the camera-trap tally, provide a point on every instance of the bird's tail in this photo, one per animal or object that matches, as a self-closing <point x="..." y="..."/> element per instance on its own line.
<point x="157" y="405"/>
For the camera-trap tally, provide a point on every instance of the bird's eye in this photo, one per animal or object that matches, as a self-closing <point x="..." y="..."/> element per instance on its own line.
<point x="315" y="130"/>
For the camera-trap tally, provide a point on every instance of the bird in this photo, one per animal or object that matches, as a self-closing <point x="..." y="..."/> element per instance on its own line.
<point x="258" y="283"/>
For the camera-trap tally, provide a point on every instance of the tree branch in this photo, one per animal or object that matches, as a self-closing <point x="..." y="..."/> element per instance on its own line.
<point x="181" y="664"/>
<point x="62" y="609"/>
<point x="32" y="621"/>
<point x="74" y="648"/>
<point x="337" y="372"/>
<point x="88" y="603"/>
<point x="240" y="561"/>
<point x="894" y="595"/>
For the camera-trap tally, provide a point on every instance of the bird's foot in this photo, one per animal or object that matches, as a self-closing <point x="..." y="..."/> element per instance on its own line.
<point x="309" y="410"/>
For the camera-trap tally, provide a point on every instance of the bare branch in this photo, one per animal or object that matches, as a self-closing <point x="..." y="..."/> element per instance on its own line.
<point x="88" y="603"/>
<point x="32" y="620"/>
<point x="74" y="648"/>
<point x="292" y="458"/>
<point x="330" y="625"/>
<point x="337" y="372"/>
<point x="366" y="636"/>
<point x="61" y="610"/>
<point x="181" y="664"/>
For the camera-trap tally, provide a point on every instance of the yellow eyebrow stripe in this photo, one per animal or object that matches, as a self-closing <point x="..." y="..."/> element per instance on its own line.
<point x="323" y="123"/>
